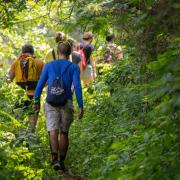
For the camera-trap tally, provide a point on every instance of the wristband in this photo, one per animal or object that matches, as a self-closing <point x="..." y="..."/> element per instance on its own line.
<point x="35" y="100"/>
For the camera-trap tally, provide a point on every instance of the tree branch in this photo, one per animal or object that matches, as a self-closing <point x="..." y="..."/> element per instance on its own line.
<point x="33" y="19"/>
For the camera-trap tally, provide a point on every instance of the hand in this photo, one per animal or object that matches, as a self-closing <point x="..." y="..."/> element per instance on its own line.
<point x="81" y="113"/>
<point x="36" y="107"/>
<point x="94" y="76"/>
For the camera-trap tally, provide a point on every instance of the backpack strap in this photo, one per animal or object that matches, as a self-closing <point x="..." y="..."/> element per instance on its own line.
<point x="67" y="68"/>
<point x="54" y="67"/>
<point x="54" y="55"/>
<point x="56" y="74"/>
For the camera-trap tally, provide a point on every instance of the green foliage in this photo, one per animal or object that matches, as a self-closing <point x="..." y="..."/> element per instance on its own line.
<point x="8" y="10"/>
<point x="23" y="155"/>
<point x="131" y="129"/>
<point x="131" y="124"/>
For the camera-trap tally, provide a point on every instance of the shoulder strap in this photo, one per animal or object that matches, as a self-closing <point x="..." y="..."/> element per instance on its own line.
<point x="66" y="68"/>
<point x="53" y="53"/>
<point x="56" y="74"/>
<point x="70" y="57"/>
<point x="54" y="67"/>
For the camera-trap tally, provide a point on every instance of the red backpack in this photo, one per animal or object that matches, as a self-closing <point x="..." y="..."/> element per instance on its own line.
<point x="83" y="59"/>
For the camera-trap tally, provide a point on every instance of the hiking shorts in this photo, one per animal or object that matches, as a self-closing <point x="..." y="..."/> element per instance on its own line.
<point x="59" y="117"/>
<point x="87" y="73"/>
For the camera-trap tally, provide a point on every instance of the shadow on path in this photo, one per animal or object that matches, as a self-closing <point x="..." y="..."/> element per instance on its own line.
<point x="66" y="176"/>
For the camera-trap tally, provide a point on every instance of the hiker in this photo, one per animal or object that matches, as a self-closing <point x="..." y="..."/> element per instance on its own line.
<point x="52" y="53"/>
<point x="26" y="70"/>
<point x="60" y="74"/>
<point x="87" y="63"/>
<point x="113" y="52"/>
<point x="75" y="56"/>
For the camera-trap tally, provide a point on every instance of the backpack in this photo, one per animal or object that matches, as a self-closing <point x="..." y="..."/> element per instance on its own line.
<point x="83" y="59"/>
<point x="56" y="95"/>
<point x="107" y="56"/>
<point x="111" y="53"/>
<point x="26" y="74"/>
<point x="53" y="54"/>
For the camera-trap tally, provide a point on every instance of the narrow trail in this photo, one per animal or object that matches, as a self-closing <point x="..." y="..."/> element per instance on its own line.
<point x="67" y="176"/>
<point x="42" y="134"/>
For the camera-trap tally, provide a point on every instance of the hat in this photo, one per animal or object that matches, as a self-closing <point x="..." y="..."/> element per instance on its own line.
<point x="88" y="35"/>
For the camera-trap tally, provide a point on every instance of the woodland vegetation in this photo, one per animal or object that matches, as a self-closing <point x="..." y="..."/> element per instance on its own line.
<point x="131" y="125"/>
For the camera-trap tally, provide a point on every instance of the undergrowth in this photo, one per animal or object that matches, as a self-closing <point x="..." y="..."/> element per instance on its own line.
<point x="130" y="129"/>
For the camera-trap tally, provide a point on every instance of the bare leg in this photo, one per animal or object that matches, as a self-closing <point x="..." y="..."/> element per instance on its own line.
<point x="63" y="145"/>
<point x="54" y="145"/>
<point x="32" y="122"/>
<point x="86" y="82"/>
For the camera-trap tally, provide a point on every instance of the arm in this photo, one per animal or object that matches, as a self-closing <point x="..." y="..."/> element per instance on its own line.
<point x="77" y="86"/>
<point x="41" y="66"/>
<point x="93" y="64"/>
<point x="90" y="50"/>
<point x="41" y="83"/>
<point x="48" y="57"/>
<point x="119" y="53"/>
<point x="12" y="72"/>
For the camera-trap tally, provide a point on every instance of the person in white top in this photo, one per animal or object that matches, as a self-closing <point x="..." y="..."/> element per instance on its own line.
<point x="113" y="52"/>
<point x="52" y="53"/>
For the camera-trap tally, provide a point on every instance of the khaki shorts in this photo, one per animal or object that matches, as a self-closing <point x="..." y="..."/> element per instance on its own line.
<point x="59" y="117"/>
<point x="87" y="73"/>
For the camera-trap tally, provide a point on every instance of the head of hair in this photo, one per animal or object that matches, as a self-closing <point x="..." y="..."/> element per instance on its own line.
<point x="110" y="37"/>
<point x="64" y="48"/>
<point x="28" y="48"/>
<point x="88" y="36"/>
<point x="71" y="41"/>
<point x="60" y="36"/>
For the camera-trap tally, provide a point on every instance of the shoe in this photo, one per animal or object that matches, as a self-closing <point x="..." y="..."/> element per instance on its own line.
<point x="62" y="166"/>
<point x="56" y="165"/>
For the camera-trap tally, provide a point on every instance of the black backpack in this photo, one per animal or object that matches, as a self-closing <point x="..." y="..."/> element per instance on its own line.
<point x="56" y="95"/>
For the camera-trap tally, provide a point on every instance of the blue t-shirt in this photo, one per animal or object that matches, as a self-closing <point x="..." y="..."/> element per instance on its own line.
<point x="69" y="77"/>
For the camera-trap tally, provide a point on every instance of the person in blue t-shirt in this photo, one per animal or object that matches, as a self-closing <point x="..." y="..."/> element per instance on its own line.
<point x="59" y="118"/>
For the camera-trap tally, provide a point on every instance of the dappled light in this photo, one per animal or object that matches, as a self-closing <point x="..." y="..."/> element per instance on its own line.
<point x="126" y="126"/>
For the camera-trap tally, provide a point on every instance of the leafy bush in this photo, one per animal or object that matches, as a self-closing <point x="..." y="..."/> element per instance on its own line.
<point x="132" y="131"/>
<point x="23" y="155"/>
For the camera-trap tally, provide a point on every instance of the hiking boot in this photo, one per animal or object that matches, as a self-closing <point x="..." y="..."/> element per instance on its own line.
<point x="56" y="165"/>
<point x="62" y="166"/>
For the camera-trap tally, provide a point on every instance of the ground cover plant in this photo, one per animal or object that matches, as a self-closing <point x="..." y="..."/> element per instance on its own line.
<point x="131" y="125"/>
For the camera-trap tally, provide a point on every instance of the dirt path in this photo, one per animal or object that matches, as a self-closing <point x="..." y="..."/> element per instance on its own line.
<point x="67" y="176"/>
